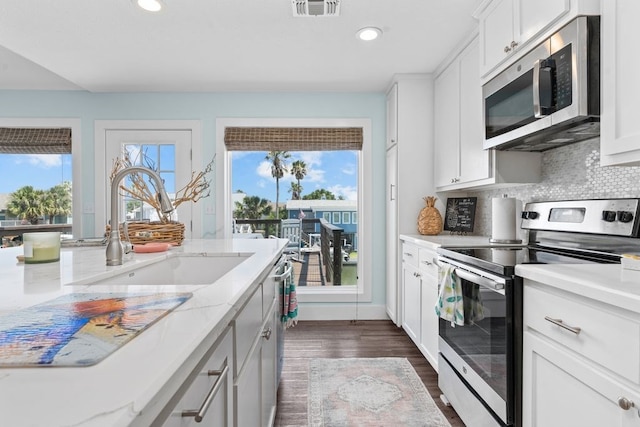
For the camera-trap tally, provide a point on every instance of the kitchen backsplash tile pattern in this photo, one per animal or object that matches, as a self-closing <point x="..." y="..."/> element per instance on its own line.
<point x="571" y="172"/>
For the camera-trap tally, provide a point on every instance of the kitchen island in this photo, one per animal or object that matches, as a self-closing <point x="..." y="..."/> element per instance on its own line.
<point x="134" y="384"/>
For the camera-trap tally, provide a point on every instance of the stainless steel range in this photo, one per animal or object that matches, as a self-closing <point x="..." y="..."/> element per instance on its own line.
<point x="481" y="357"/>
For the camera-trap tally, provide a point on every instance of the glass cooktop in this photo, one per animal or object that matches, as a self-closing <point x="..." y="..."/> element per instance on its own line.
<point x="502" y="260"/>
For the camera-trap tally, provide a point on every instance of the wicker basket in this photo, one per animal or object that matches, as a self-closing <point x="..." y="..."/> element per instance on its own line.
<point x="155" y="231"/>
<point x="429" y="220"/>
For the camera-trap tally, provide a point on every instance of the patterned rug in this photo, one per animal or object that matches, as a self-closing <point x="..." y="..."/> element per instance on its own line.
<point x="369" y="392"/>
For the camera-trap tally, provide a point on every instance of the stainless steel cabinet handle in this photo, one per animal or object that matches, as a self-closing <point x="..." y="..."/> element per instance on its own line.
<point x="625" y="403"/>
<point x="514" y="44"/>
<point x="408" y="254"/>
<point x="427" y="262"/>
<point x="559" y="322"/>
<point x="507" y="49"/>
<point x="266" y="334"/>
<point x="199" y="414"/>
<point x="391" y="196"/>
<point x="416" y="274"/>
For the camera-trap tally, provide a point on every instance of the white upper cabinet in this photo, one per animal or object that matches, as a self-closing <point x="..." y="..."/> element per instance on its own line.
<point x="392" y="116"/>
<point x="460" y="161"/>
<point x="508" y="28"/>
<point x="620" y="127"/>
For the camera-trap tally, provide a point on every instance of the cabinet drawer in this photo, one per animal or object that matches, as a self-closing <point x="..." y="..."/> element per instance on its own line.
<point x="410" y="254"/>
<point x="214" y="378"/>
<point x="428" y="262"/>
<point x="605" y="338"/>
<point x="247" y="327"/>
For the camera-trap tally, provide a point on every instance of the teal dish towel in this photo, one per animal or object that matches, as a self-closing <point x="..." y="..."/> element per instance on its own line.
<point x="289" y="302"/>
<point x="450" y="302"/>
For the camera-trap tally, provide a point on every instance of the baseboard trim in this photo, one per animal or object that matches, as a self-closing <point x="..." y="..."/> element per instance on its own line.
<point x="342" y="312"/>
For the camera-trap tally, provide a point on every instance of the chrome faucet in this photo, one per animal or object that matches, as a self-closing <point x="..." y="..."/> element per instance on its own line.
<point x="114" y="247"/>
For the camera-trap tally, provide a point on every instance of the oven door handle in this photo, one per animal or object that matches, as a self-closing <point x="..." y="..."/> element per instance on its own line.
<point x="482" y="281"/>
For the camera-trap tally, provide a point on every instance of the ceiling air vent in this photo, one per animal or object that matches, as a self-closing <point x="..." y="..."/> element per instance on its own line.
<point x="316" y="7"/>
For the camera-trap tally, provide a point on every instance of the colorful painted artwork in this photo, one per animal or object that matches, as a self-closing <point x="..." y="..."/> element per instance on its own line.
<point x="79" y="329"/>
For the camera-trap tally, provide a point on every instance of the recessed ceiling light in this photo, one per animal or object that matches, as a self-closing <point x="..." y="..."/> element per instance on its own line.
<point x="150" y="5"/>
<point x="369" y="33"/>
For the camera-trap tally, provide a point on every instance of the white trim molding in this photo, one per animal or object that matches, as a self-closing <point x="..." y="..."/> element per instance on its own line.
<point x="100" y="131"/>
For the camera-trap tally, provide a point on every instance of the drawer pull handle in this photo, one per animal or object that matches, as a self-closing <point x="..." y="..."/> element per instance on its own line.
<point x="625" y="403"/>
<point x="427" y="262"/>
<point x="408" y="254"/>
<point x="558" y="322"/>
<point x="199" y="414"/>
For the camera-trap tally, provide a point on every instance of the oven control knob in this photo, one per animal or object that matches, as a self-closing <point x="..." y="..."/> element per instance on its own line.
<point x="530" y="215"/>
<point x="609" y="216"/>
<point x="625" y="216"/>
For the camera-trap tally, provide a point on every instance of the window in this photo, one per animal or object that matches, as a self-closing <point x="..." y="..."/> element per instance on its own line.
<point x="224" y="200"/>
<point x="354" y="217"/>
<point x="326" y="216"/>
<point x="336" y="218"/>
<point x="60" y="138"/>
<point x="346" y="217"/>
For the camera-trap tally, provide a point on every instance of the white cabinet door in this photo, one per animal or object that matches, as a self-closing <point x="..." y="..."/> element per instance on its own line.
<point x="215" y="377"/>
<point x="392" y="116"/>
<point x="411" y="297"/>
<point x="532" y="16"/>
<point x="392" y="288"/>
<point x="447" y="126"/>
<point x="561" y="390"/>
<point x="429" y="324"/>
<point x="249" y="391"/>
<point x="620" y="136"/>
<point x="474" y="160"/>
<point x="496" y="34"/>
<point x="269" y="368"/>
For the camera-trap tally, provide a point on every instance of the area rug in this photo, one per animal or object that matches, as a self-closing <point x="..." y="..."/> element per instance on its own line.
<point x="369" y="392"/>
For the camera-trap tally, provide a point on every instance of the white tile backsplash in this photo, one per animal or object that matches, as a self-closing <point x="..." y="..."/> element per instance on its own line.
<point x="568" y="173"/>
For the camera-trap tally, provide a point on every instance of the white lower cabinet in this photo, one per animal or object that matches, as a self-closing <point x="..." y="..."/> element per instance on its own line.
<point x="429" y="321"/>
<point x="208" y="400"/>
<point x="580" y="361"/>
<point x="255" y="380"/>
<point x="419" y="296"/>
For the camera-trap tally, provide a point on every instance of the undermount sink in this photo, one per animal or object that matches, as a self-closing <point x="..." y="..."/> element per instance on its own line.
<point x="184" y="269"/>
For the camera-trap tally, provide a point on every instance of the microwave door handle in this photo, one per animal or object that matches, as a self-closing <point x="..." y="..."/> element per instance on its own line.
<point x="543" y="87"/>
<point x="479" y="280"/>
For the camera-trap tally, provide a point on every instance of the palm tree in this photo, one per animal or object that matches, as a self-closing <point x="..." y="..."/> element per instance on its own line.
<point x="299" y="171"/>
<point x="278" y="169"/>
<point x="57" y="201"/>
<point x="295" y="191"/>
<point x="252" y="207"/>
<point x="26" y="203"/>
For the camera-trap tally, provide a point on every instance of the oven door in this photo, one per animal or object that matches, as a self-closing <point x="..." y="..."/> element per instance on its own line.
<point x="481" y="350"/>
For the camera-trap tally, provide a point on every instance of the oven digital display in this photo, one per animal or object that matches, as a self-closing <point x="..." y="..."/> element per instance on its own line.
<point x="573" y="215"/>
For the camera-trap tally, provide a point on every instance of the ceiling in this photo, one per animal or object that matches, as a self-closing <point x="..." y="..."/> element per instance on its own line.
<point x="222" y="45"/>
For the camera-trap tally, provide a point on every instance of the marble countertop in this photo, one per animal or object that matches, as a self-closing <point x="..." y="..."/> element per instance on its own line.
<point x="607" y="283"/>
<point x="131" y="385"/>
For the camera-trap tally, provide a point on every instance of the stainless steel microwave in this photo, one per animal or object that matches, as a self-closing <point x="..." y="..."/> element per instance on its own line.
<point x="551" y="96"/>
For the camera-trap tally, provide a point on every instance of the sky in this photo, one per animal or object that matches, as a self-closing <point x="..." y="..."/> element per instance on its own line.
<point x="41" y="171"/>
<point x="336" y="171"/>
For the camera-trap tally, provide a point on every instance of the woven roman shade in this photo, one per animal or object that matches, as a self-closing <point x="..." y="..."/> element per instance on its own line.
<point x="292" y="139"/>
<point x="35" y="140"/>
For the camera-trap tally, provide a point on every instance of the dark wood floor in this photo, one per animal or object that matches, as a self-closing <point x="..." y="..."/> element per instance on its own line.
<point x="335" y="339"/>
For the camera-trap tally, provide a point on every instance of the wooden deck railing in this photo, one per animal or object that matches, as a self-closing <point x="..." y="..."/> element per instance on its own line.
<point x="330" y="241"/>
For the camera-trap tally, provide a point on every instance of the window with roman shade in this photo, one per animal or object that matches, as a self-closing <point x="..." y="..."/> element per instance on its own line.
<point x="35" y="140"/>
<point x="292" y="139"/>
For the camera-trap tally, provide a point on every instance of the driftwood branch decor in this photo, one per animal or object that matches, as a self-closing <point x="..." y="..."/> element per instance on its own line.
<point x="144" y="190"/>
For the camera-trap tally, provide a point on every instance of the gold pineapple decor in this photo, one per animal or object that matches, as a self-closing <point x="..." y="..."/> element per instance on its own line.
<point x="429" y="219"/>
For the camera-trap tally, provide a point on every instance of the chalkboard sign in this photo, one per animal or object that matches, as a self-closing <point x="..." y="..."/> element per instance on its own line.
<point x="460" y="214"/>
